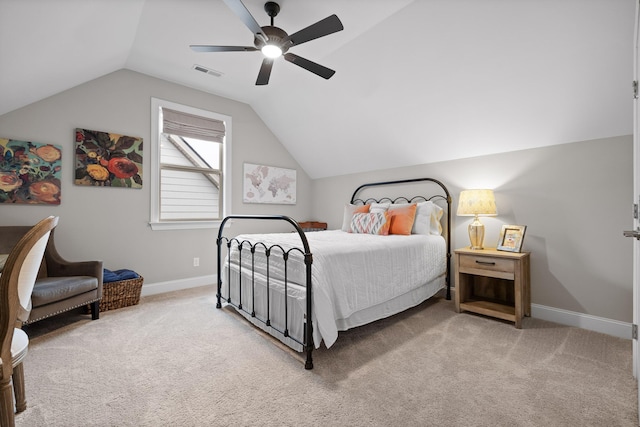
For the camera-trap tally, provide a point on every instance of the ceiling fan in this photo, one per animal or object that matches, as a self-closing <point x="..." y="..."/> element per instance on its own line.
<point x="274" y="42"/>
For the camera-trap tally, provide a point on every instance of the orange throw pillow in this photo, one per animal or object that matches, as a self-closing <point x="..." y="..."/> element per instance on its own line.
<point x="361" y="209"/>
<point x="401" y="219"/>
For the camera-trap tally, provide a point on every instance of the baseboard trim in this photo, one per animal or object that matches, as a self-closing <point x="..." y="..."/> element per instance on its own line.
<point x="580" y="320"/>
<point x="177" y="285"/>
<point x="603" y="325"/>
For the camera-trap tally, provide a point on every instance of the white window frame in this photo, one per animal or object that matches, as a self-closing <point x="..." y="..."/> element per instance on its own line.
<point x="156" y="129"/>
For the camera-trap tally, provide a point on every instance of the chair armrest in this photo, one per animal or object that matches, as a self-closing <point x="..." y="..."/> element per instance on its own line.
<point x="60" y="267"/>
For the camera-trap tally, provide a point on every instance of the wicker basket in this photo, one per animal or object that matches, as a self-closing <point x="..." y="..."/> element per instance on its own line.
<point x="122" y="293"/>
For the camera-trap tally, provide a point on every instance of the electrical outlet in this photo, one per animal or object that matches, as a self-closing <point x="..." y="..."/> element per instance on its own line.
<point x="196" y="262"/>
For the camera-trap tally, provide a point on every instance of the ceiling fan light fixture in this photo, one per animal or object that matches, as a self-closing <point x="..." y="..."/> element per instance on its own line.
<point x="274" y="42"/>
<point x="271" y="51"/>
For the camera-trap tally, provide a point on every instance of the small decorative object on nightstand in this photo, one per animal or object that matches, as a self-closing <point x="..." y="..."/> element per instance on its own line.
<point x="313" y="226"/>
<point x="493" y="283"/>
<point x="511" y="237"/>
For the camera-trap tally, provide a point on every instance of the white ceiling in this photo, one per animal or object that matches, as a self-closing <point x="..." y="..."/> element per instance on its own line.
<point x="417" y="81"/>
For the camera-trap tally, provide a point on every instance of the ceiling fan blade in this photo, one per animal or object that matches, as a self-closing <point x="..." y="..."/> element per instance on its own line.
<point x="208" y="48"/>
<point x="243" y="13"/>
<point x="317" y="69"/>
<point x="265" y="72"/>
<point x="329" y="25"/>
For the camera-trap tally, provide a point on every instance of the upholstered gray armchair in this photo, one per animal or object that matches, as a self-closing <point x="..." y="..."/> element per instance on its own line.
<point x="61" y="285"/>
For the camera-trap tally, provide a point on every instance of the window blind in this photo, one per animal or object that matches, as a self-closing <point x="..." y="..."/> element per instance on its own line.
<point x="190" y="126"/>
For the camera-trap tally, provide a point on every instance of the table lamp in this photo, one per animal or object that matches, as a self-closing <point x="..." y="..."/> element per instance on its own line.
<point x="475" y="203"/>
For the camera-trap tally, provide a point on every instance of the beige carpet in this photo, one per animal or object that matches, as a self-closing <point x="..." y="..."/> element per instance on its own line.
<point x="176" y="360"/>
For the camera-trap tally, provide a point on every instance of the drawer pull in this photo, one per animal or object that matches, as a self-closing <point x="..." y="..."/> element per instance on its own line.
<point x="485" y="262"/>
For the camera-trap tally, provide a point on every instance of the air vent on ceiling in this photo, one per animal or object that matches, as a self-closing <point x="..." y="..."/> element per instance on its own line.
<point x="207" y="70"/>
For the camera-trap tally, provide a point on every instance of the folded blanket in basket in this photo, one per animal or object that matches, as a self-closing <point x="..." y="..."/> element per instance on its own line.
<point x="116" y="276"/>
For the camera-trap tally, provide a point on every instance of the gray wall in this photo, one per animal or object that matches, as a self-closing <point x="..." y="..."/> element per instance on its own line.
<point x="111" y="224"/>
<point x="575" y="200"/>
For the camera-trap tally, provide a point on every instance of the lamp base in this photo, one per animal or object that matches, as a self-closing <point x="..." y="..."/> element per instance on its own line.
<point x="476" y="234"/>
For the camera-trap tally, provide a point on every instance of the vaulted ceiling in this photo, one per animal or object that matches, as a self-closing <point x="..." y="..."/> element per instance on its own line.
<point x="417" y="81"/>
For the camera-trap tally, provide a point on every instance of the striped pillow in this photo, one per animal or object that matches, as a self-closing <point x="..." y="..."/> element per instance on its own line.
<point x="370" y="223"/>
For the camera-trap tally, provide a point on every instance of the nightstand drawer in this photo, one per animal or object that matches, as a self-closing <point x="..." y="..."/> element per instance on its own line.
<point x="487" y="266"/>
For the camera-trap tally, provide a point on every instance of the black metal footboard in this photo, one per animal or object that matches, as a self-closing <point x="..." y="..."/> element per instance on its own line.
<point x="274" y="250"/>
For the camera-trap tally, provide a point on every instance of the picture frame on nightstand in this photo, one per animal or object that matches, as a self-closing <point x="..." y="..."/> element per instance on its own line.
<point x="511" y="238"/>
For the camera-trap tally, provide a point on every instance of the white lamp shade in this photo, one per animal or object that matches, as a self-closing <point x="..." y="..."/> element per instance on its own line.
<point x="477" y="202"/>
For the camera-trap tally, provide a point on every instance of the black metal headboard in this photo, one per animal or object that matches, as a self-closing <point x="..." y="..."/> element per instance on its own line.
<point x="446" y="197"/>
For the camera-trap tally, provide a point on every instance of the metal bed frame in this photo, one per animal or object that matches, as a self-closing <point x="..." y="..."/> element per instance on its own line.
<point x="305" y="252"/>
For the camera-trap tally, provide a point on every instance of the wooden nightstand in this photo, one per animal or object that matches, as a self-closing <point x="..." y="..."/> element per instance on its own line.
<point x="493" y="283"/>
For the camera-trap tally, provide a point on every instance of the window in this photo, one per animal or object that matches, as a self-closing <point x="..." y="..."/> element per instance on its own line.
<point x="190" y="151"/>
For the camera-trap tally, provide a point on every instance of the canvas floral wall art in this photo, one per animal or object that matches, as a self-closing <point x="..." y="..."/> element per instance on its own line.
<point x="30" y="172"/>
<point x="106" y="159"/>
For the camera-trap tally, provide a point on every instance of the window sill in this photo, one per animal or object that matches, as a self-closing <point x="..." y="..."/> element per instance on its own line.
<point x="183" y="225"/>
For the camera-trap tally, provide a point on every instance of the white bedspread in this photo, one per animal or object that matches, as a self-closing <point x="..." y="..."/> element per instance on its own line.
<point x="352" y="273"/>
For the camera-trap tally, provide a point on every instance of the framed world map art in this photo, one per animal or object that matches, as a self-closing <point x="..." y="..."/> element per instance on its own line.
<point x="269" y="184"/>
<point x="30" y="172"/>
<point x="106" y="159"/>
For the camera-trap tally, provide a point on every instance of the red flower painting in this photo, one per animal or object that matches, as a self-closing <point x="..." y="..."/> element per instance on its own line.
<point x="106" y="159"/>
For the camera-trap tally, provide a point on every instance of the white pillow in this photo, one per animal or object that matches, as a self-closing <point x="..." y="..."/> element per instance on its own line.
<point x="395" y="206"/>
<point x="349" y="210"/>
<point x="427" y="220"/>
<point x="379" y="207"/>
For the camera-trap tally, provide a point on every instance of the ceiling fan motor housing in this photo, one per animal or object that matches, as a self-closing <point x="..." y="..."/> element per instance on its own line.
<point x="275" y="35"/>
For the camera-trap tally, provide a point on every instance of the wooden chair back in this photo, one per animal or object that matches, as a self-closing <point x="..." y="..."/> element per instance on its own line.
<point x="16" y="284"/>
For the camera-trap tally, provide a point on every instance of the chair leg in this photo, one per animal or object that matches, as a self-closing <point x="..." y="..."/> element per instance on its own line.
<point x="7" y="417"/>
<point x="18" y="388"/>
<point x="95" y="310"/>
